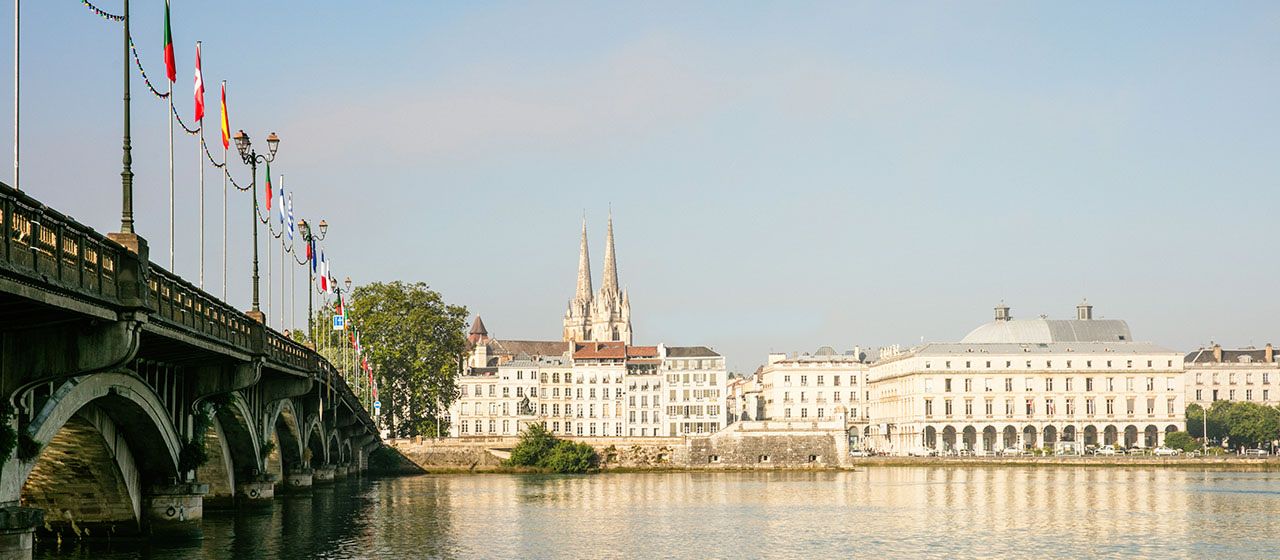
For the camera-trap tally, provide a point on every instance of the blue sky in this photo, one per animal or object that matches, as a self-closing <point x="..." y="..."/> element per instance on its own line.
<point x="782" y="176"/>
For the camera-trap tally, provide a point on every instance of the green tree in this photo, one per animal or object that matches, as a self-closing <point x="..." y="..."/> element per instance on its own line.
<point x="1250" y="424"/>
<point x="1219" y="419"/>
<point x="535" y="443"/>
<point x="415" y="343"/>
<point x="1195" y="420"/>
<point x="1180" y="440"/>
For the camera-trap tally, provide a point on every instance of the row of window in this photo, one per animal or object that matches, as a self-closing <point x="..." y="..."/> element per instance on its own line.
<point x="804" y="380"/>
<point x="1048" y="364"/>
<point x="1231" y="394"/>
<point x="1050" y="406"/>
<point x="1231" y="378"/>
<point x="691" y="378"/>
<point x="1109" y="384"/>
<point x="690" y="410"/>
<point x="804" y="413"/>
<point x="835" y="396"/>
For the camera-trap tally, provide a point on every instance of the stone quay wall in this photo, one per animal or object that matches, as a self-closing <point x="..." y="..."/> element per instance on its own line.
<point x="756" y="445"/>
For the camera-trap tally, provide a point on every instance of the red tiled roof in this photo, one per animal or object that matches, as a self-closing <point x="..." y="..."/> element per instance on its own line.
<point x="643" y="351"/>
<point x="599" y="350"/>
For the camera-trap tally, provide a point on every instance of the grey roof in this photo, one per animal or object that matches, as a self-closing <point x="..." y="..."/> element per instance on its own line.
<point x="1205" y="355"/>
<point x="978" y="349"/>
<point x="477" y="327"/>
<point x="530" y="347"/>
<point x="690" y="352"/>
<point x="1029" y="331"/>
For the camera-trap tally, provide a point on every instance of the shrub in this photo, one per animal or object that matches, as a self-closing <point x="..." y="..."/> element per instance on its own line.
<point x="1180" y="440"/>
<point x="535" y="443"/>
<point x="539" y="448"/>
<point x="569" y="457"/>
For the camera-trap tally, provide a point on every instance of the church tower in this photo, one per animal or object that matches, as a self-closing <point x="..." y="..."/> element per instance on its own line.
<point x="604" y="316"/>
<point x="611" y="311"/>
<point x="577" y="316"/>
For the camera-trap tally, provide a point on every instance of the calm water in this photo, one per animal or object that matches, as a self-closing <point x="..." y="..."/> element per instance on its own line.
<point x="886" y="512"/>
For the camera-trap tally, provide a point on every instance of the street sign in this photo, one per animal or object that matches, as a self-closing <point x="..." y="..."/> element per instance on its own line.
<point x="377" y="404"/>
<point x="339" y="323"/>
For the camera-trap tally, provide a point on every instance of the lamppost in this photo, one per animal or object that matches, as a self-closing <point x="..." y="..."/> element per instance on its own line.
<point x="310" y="239"/>
<point x="251" y="158"/>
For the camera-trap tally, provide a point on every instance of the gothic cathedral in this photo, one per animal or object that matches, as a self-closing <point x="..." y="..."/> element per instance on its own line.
<point x="602" y="317"/>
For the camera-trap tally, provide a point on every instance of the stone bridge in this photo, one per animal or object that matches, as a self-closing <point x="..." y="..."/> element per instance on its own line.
<point x="114" y="371"/>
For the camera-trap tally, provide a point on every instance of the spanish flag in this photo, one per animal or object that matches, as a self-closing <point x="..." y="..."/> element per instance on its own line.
<point x="226" y="129"/>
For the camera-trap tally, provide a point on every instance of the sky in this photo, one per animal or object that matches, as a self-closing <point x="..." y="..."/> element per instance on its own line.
<point x="781" y="176"/>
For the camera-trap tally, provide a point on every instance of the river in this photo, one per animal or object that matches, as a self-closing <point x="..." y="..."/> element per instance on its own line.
<point x="875" y="512"/>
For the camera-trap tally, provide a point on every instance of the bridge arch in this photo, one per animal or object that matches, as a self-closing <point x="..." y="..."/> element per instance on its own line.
<point x="335" y="448"/>
<point x="234" y="450"/>
<point x="282" y="426"/>
<point x="103" y="439"/>
<point x="315" y="453"/>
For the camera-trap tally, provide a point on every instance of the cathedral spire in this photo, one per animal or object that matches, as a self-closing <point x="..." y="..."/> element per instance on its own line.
<point x="609" y="282"/>
<point x="584" y="269"/>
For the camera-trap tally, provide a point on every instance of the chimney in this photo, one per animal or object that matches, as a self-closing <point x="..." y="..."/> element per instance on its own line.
<point x="1269" y="353"/>
<point x="1217" y="352"/>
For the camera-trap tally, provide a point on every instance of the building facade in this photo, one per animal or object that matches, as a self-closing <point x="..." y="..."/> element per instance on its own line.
<point x="696" y="390"/>
<point x="1241" y="375"/>
<point x="810" y="387"/>
<point x="1028" y="384"/>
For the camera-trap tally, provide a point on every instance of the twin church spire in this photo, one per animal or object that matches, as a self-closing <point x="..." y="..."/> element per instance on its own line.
<point x="604" y="316"/>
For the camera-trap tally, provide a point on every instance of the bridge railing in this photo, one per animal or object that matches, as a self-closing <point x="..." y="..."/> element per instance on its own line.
<point x="37" y="239"/>
<point x="287" y="351"/>
<point x="181" y="303"/>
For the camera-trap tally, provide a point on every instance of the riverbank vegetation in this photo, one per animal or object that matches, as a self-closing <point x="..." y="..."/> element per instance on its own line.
<point x="1235" y="424"/>
<point x="538" y="448"/>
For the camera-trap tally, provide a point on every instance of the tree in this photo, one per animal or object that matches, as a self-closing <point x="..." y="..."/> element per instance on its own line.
<point x="1180" y="440"/>
<point x="1250" y="424"/>
<point x="570" y="457"/>
<point x="415" y="342"/>
<point x="1219" y="419"/>
<point x="1195" y="420"/>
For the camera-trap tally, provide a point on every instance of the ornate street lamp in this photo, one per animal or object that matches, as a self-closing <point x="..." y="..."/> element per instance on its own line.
<point x="309" y="238"/>
<point x="251" y="158"/>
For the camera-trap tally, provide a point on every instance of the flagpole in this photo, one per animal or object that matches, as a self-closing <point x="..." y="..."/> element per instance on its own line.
<point x="15" y="95"/>
<point x="224" y="210"/>
<point x="282" y="263"/>
<point x="200" y="165"/>
<point x="171" y="178"/>
<point x="267" y="321"/>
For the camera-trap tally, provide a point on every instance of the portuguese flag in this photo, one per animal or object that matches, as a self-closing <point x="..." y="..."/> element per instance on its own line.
<point x="268" y="188"/>
<point x="169" y="64"/>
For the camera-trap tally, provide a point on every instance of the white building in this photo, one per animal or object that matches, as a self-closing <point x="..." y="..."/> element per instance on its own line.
<point x="696" y="389"/>
<point x="810" y="387"/>
<point x="1242" y="375"/>
<point x="1028" y="383"/>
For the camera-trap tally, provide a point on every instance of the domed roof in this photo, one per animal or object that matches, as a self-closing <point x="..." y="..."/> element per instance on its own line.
<point x="1044" y="331"/>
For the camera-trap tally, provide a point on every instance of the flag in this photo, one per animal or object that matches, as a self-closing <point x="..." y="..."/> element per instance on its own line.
<point x="311" y="254"/>
<point x="168" y="46"/>
<point x="281" y="209"/>
<point x="290" y="224"/>
<point x="269" y="191"/>
<point x="338" y="311"/>
<point x="324" y="274"/>
<point x="226" y="128"/>
<point x="199" y="87"/>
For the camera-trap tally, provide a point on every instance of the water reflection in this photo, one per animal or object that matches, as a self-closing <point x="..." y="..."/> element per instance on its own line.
<point x="888" y="512"/>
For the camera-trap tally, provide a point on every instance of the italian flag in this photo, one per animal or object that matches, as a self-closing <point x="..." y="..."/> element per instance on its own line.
<point x="169" y="64"/>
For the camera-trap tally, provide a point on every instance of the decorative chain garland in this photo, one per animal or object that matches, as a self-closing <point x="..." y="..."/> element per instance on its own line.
<point x="134" y="50"/>
<point x="102" y="13"/>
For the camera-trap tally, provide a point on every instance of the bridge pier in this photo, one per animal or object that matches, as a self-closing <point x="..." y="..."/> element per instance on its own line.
<point x="256" y="491"/>
<point x="17" y="528"/>
<point x="298" y="480"/>
<point x="175" y="511"/>
<point x="323" y="475"/>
